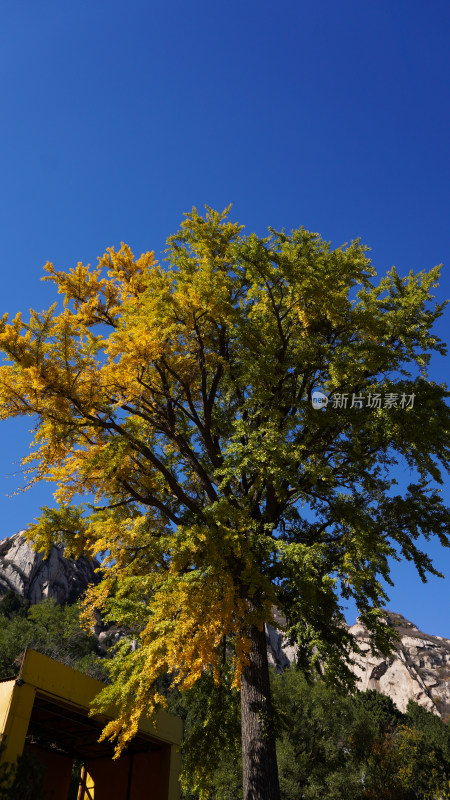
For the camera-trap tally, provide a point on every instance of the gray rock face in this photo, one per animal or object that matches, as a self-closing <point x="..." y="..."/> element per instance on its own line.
<point x="418" y="669"/>
<point x="34" y="577"/>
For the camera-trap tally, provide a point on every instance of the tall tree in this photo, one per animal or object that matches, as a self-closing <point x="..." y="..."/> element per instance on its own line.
<point x="178" y="400"/>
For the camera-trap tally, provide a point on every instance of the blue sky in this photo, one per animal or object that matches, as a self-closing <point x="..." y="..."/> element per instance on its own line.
<point x="116" y="118"/>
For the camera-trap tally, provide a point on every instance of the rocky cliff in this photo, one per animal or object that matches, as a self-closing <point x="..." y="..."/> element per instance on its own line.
<point x="418" y="669"/>
<point x="34" y="577"/>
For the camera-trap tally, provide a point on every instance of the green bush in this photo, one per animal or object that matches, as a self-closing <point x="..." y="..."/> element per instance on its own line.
<point x="52" y="629"/>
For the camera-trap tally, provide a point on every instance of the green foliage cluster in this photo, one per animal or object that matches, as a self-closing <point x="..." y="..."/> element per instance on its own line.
<point x="212" y="737"/>
<point x="330" y="745"/>
<point x="342" y="747"/>
<point x="52" y="629"/>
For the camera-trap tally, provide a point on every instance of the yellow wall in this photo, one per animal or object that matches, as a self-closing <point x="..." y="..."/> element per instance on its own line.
<point x="16" y="709"/>
<point x="6" y="693"/>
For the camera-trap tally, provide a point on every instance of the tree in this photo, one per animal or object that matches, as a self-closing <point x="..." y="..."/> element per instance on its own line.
<point x="316" y="756"/>
<point x="434" y="728"/>
<point x="178" y="401"/>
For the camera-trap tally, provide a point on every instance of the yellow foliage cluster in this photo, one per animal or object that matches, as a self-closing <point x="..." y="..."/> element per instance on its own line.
<point x="117" y="381"/>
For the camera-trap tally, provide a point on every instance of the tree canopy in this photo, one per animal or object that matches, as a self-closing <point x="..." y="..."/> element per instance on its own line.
<point x="177" y="400"/>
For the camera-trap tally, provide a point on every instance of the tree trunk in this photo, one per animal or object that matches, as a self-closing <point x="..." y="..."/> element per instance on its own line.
<point x="259" y="758"/>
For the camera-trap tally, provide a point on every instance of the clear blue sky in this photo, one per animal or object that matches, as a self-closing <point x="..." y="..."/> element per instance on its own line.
<point x="118" y="117"/>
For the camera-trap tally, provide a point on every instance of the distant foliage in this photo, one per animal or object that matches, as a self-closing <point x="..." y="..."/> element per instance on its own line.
<point x="212" y="743"/>
<point x="51" y="629"/>
<point x="334" y="746"/>
<point x="330" y="745"/>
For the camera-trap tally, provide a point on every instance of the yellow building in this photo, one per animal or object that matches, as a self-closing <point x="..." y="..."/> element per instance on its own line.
<point x="45" y="710"/>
